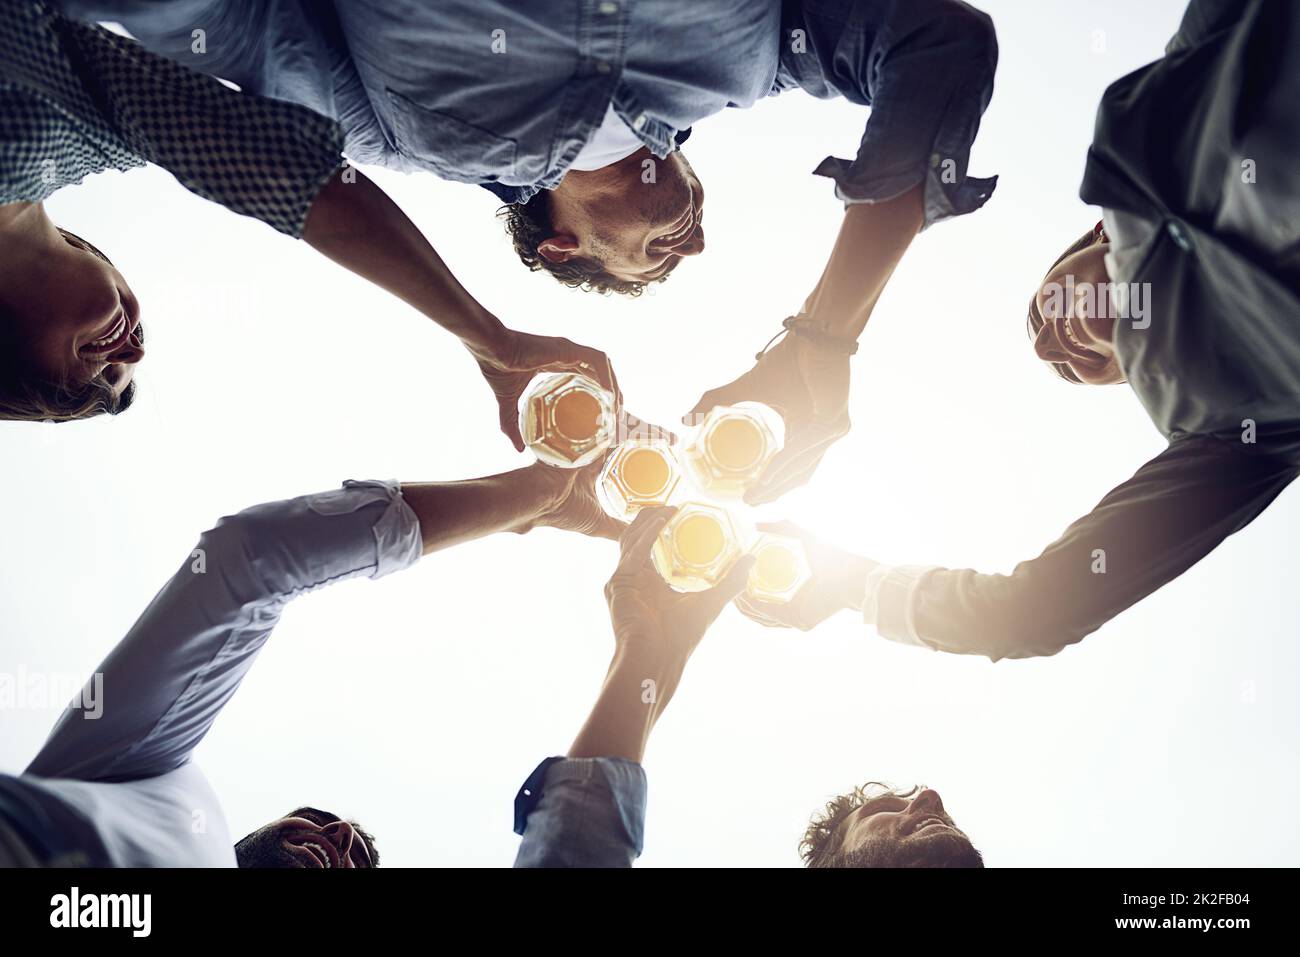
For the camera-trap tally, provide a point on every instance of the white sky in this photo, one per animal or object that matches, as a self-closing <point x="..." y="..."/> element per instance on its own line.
<point x="418" y="704"/>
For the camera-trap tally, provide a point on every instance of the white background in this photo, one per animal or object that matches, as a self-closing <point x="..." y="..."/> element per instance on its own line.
<point x="418" y="704"/>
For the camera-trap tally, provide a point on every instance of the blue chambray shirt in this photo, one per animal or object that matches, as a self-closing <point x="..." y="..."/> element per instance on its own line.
<point x="505" y="93"/>
<point x="581" y="812"/>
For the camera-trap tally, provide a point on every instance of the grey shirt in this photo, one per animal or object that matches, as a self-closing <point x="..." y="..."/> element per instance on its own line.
<point x="122" y="788"/>
<point x="1194" y="161"/>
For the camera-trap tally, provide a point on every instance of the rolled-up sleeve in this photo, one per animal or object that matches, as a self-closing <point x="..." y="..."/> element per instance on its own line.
<point x="164" y="684"/>
<point x="581" y="812"/>
<point x="925" y="68"/>
<point x="255" y="156"/>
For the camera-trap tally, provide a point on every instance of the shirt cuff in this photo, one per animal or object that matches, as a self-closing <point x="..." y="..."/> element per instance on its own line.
<point x="890" y="602"/>
<point x="947" y="193"/>
<point x="398" y="544"/>
<point x="626" y="781"/>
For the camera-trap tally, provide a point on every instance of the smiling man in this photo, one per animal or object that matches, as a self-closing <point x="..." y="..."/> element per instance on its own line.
<point x="308" y="837"/>
<point x="70" y="327"/>
<point x="879" y="826"/>
<point x="117" y="787"/>
<point x="573" y="112"/>
<point x="587" y="808"/>
<point x="1200" y="247"/>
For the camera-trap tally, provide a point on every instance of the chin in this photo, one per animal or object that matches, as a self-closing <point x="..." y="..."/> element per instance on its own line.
<point x="1109" y="375"/>
<point x="943" y="848"/>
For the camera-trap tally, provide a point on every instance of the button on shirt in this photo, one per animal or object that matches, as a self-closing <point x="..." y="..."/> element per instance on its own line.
<point x="1195" y="162"/>
<point x="76" y="100"/>
<point x="506" y="93"/>
<point x="121" y="787"/>
<point x="1216" y="362"/>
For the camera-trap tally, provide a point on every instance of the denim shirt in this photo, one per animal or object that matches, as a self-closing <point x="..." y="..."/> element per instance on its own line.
<point x="581" y="812"/>
<point x="505" y="93"/>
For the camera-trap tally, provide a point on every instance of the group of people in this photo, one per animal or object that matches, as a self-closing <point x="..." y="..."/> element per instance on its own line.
<point x="582" y="138"/>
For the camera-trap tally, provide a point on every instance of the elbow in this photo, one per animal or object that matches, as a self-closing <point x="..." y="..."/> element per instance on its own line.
<point x="1035" y="636"/>
<point x="240" y="544"/>
<point x="977" y="28"/>
<point x="225" y="544"/>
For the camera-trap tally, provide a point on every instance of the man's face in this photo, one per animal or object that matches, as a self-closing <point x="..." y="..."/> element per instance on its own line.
<point x="307" y="838"/>
<point x="1078" y="328"/>
<point x="78" y="319"/>
<point x="638" y="217"/>
<point x="903" y="830"/>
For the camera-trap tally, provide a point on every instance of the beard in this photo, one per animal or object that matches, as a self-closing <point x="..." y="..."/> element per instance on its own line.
<point x="950" y="849"/>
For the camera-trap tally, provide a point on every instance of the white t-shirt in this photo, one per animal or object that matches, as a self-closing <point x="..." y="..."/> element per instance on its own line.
<point x="612" y="141"/>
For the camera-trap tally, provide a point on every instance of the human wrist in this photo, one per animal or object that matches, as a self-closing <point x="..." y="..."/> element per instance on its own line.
<point x="534" y="492"/>
<point x="853" y="581"/>
<point x="823" y="334"/>
<point x="484" y="335"/>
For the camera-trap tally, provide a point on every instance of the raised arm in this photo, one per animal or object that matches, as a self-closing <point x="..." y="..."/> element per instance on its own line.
<point x="168" y="679"/>
<point x="1173" y="512"/>
<point x="282" y="163"/>
<point x="588" y="809"/>
<point x="354" y="223"/>
<point x="925" y="68"/>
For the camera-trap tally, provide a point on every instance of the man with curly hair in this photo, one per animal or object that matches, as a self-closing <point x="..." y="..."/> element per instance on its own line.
<point x="879" y="826"/>
<point x="573" y="112"/>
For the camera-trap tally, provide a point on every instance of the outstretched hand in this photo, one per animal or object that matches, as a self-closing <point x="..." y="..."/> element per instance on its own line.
<point x="650" y="617"/>
<point x="573" y="504"/>
<point x="522" y="355"/>
<point x="517" y="361"/>
<point x="838" y="582"/>
<point x="809" y="386"/>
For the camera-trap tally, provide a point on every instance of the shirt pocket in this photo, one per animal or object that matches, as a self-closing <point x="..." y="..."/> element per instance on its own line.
<point x="456" y="150"/>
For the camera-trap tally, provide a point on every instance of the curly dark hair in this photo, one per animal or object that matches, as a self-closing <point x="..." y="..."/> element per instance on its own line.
<point x="1036" y="320"/>
<point x="820" y="845"/>
<point x="530" y="223"/>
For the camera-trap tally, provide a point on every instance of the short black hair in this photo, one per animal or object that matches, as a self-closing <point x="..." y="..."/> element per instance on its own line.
<point x="261" y="849"/>
<point x="529" y="224"/>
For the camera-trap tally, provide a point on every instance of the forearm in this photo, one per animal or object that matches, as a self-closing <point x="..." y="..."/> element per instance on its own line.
<point x="452" y="513"/>
<point x="354" y="223"/>
<point x="588" y="810"/>
<point x="871" y="242"/>
<point x="636" y="690"/>
<point x="1143" y="534"/>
